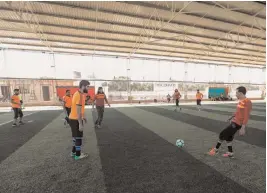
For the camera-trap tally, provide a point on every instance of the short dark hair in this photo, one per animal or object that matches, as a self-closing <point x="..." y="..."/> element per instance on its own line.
<point x="98" y="92"/>
<point x="197" y="89"/>
<point x="84" y="83"/>
<point x="67" y="91"/>
<point x="242" y="89"/>
<point x="16" y="89"/>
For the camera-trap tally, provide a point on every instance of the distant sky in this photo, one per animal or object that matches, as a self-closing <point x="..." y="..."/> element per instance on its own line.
<point x="36" y="65"/>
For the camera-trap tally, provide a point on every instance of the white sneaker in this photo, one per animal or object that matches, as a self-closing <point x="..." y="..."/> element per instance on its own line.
<point x="83" y="155"/>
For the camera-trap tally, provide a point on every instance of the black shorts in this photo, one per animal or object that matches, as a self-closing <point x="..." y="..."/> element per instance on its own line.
<point x="68" y="110"/>
<point x="74" y="125"/>
<point x="17" y="113"/>
<point x="229" y="132"/>
<point x="198" y="101"/>
<point x="177" y="102"/>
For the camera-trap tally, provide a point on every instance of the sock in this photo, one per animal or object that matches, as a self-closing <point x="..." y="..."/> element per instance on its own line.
<point x="229" y="145"/>
<point x="230" y="149"/>
<point x="78" y="150"/>
<point x="219" y="143"/>
<point x="73" y="146"/>
<point x="15" y="121"/>
<point x="78" y="144"/>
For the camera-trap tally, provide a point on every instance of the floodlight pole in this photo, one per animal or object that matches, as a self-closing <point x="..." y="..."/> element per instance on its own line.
<point x="129" y="85"/>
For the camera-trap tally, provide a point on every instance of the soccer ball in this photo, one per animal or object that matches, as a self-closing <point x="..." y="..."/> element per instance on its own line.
<point x="180" y="143"/>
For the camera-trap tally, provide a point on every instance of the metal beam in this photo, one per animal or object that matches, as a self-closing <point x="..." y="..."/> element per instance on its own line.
<point x="214" y="54"/>
<point x="238" y="10"/>
<point x="140" y="27"/>
<point x="130" y="34"/>
<point x="113" y="49"/>
<point x="115" y="13"/>
<point x="156" y="31"/>
<point x="149" y="5"/>
<point x="148" y="81"/>
<point x="85" y="38"/>
<point x="240" y="25"/>
<point x="31" y="22"/>
<point x="136" y="57"/>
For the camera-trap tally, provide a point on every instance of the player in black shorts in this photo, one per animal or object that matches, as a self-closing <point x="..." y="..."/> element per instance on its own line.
<point x="16" y="103"/>
<point x="199" y="97"/>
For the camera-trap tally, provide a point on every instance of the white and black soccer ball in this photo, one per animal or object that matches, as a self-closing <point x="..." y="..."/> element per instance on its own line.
<point x="180" y="143"/>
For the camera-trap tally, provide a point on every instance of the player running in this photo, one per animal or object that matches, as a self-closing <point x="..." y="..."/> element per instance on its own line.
<point x="237" y="123"/>
<point x="199" y="97"/>
<point x="67" y="100"/>
<point x="77" y="119"/>
<point x="99" y="101"/>
<point x="16" y="103"/>
<point x="168" y="98"/>
<point x="177" y="97"/>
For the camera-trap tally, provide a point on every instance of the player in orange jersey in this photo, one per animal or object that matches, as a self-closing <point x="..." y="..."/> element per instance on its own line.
<point x="237" y="123"/>
<point x="99" y="100"/>
<point x="177" y="97"/>
<point x="67" y="100"/>
<point x="199" y="97"/>
<point x="77" y="119"/>
<point x="16" y="103"/>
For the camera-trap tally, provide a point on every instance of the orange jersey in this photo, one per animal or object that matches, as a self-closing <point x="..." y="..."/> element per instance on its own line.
<point x="100" y="99"/>
<point x="16" y="99"/>
<point x="242" y="113"/>
<point x="199" y="96"/>
<point x="177" y="95"/>
<point x="67" y="101"/>
<point x="77" y="99"/>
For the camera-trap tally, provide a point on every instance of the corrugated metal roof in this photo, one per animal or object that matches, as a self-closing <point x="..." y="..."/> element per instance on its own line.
<point x="230" y="32"/>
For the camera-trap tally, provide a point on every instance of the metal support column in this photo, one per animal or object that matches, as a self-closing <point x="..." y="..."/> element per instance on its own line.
<point x="128" y="81"/>
<point x="229" y="73"/>
<point x="2" y="62"/>
<point x="55" y="77"/>
<point x="158" y="70"/>
<point x="185" y="79"/>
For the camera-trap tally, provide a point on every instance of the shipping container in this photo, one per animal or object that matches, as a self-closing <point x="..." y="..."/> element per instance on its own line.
<point x="216" y="92"/>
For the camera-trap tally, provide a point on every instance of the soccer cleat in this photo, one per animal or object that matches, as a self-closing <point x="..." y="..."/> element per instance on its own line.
<point x="14" y="125"/>
<point x="228" y="154"/>
<point x="99" y="126"/>
<point x="83" y="155"/>
<point x="73" y="154"/>
<point x="213" y="152"/>
<point x="21" y="123"/>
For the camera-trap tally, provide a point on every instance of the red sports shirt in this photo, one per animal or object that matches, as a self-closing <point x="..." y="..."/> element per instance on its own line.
<point x="177" y="95"/>
<point x="242" y="113"/>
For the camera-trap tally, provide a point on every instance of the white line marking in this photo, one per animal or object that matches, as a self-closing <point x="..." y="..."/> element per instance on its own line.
<point x="12" y="120"/>
<point x="30" y="121"/>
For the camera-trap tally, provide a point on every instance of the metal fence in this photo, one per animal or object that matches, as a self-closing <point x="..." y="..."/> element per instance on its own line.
<point x="118" y="90"/>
